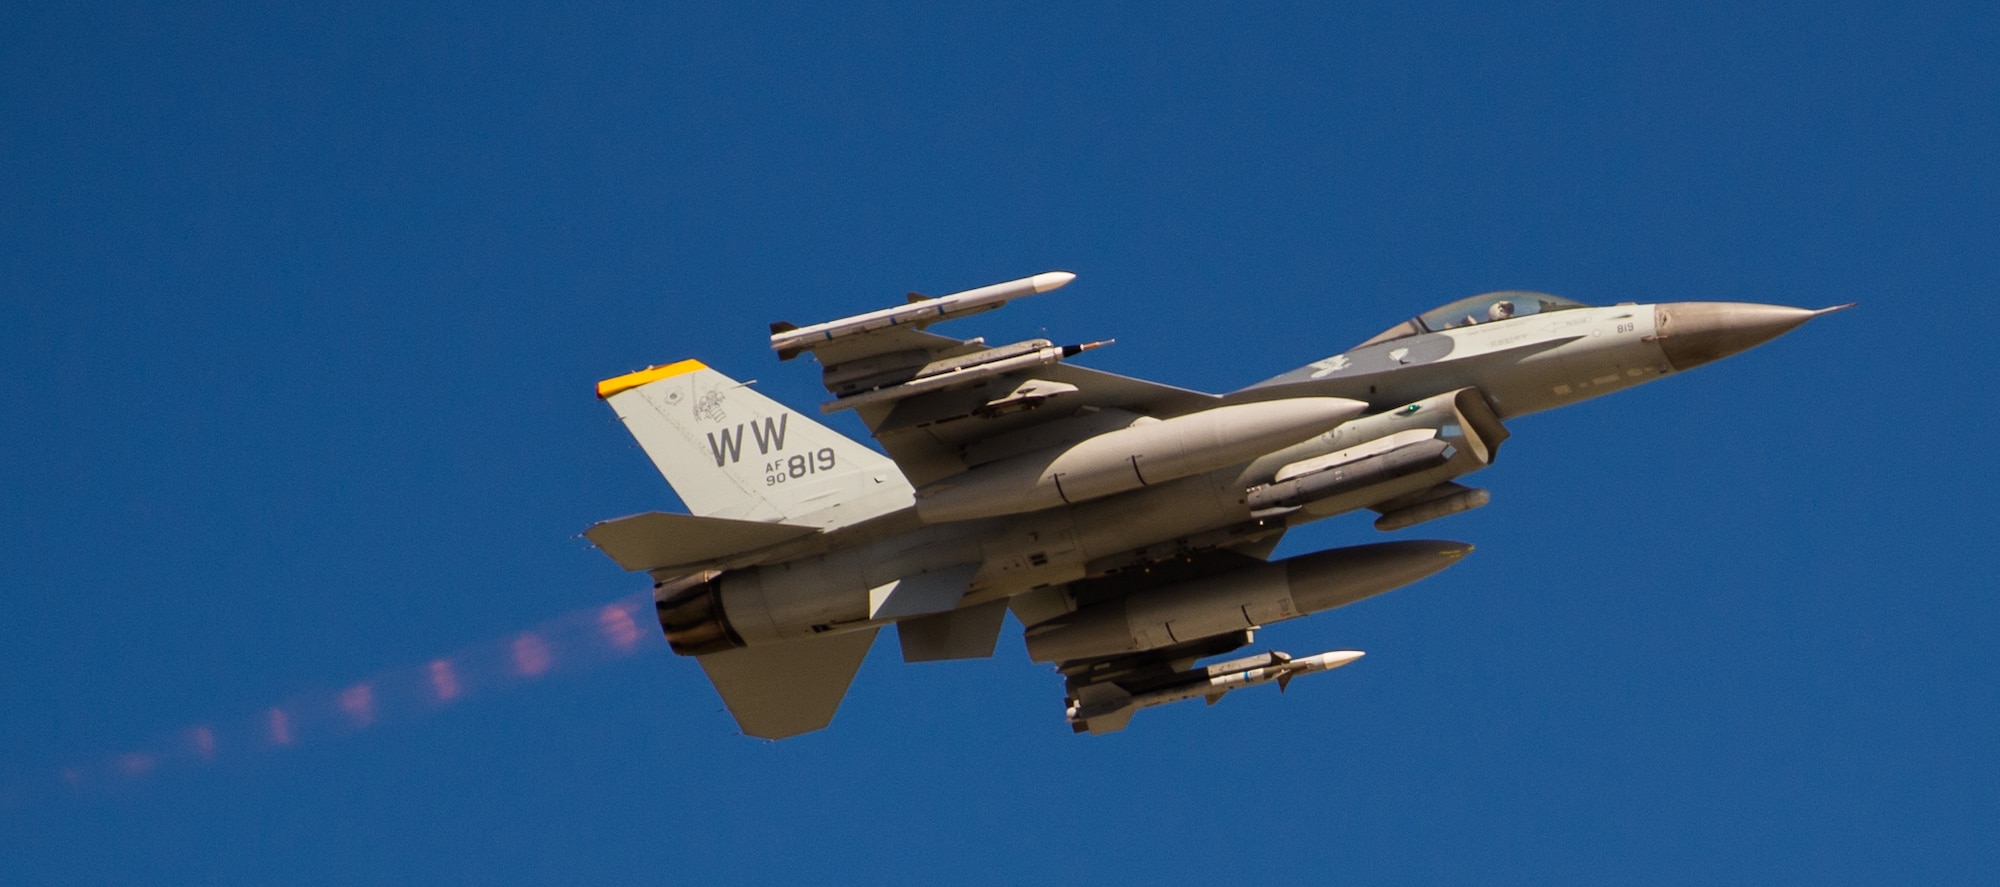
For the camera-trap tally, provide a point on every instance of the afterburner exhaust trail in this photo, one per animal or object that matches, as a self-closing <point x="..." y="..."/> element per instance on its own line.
<point x="572" y="643"/>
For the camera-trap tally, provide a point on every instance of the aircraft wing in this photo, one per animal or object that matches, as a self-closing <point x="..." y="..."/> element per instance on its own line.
<point x="934" y="436"/>
<point x="940" y="405"/>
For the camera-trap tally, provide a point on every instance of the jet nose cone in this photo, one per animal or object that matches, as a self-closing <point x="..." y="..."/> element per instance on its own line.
<point x="1695" y="333"/>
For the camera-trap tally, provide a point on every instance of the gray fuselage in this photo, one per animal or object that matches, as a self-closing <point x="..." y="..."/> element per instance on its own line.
<point x="1458" y="381"/>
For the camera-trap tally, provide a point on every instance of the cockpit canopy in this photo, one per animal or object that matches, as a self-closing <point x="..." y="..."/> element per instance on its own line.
<point x="1474" y="310"/>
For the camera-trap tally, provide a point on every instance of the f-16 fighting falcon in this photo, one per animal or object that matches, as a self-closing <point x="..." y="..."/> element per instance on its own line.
<point x="1128" y="525"/>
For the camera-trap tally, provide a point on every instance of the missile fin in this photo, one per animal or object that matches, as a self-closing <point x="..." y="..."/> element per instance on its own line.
<point x="1214" y="698"/>
<point x="1110" y="723"/>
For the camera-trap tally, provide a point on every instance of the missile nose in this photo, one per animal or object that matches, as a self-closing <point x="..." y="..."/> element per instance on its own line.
<point x="1338" y="658"/>
<point x="1695" y="333"/>
<point x="1049" y="280"/>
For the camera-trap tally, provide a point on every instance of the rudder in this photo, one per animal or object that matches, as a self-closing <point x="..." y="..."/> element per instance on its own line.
<point x="731" y="452"/>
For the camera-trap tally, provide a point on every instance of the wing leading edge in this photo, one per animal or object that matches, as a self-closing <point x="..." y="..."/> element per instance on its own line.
<point x="939" y="405"/>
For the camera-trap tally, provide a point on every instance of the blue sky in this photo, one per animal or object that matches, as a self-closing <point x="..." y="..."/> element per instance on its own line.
<point x="301" y="308"/>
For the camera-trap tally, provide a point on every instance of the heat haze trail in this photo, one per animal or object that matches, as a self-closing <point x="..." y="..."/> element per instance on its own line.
<point x="570" y="643"/>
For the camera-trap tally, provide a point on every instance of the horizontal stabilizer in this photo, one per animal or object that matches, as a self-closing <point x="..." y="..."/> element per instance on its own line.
<point x="656" y="540"/>
<point x="790" y="688"/>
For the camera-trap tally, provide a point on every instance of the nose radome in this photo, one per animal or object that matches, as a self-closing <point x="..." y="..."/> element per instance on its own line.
<point x="1695" y="333"/>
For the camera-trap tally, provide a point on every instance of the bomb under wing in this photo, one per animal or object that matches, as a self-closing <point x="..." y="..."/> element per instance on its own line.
<point x="1128" y="525"/>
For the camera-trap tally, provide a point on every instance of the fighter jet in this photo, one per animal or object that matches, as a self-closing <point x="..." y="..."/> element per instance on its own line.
<point x="1128" y="525"/>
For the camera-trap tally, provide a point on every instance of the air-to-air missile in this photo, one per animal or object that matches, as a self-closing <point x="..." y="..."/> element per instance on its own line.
<point x="857" y="387"/>
<point x="1107" y="706"/>
<point x="1127" y="525"/>
<point x="789" y="340"/>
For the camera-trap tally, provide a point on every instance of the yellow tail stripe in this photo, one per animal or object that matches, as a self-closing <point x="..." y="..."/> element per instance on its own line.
<point x="610" y="387"/>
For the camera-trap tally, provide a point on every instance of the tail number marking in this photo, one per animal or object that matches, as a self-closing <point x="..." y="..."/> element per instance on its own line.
<point x="769" y="436"/>
<point x="727" y="445"/>
<point x="778" y="471"/>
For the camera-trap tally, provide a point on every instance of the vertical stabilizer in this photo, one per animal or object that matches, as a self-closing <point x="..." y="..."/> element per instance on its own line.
<point x="730" y="452"/>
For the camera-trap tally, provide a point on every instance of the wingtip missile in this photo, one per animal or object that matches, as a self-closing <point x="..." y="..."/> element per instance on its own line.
<point x="918" y="312"/>
<point x="1050" y="280"/>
